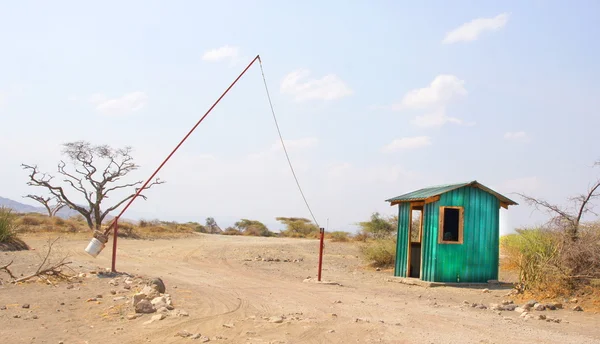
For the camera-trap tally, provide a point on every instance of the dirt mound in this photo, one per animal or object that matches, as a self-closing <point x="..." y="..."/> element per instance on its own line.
<point x="14" y="244"/>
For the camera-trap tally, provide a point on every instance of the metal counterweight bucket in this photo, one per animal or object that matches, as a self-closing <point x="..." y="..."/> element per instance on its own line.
<point x="94" y="247"/>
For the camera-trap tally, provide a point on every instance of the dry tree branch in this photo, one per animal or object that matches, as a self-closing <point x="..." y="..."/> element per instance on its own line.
<point x="53" y="269"/>
<point x="5" y="268"/>
<point x="43" y="268"/>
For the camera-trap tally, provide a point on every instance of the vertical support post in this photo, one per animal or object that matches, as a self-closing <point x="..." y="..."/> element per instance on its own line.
<point x="322" y="230"/>
<point x="114" y="250"/>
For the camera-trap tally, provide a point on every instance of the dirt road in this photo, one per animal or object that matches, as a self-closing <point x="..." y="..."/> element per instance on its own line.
<point x="230" y="296"/>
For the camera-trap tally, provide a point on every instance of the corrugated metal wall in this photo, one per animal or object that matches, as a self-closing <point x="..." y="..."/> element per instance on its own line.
<point x="429" y="241"/>
<point x="476" y="260"/>
<point x="402" y="240"/>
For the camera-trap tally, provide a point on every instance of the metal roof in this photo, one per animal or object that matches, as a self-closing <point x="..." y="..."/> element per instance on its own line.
<point x="432" y="191"/>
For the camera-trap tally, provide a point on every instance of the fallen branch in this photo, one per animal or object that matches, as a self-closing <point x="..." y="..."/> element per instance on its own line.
<point x="52" y="269"/>
<point x="5" y="268"/>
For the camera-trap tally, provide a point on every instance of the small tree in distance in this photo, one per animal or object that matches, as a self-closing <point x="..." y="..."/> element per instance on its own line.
<point x="94" y="172"/>
<point x="379" y="227"/>
<point x="253" y="227"/>
<point x="298" y="227"/>
<point x="212" y="227"/>
<point x="52" y="209"/>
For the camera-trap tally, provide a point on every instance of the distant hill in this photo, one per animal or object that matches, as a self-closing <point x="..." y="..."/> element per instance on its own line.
<point x="65" y="213"/>
<point x="26" y="208"/>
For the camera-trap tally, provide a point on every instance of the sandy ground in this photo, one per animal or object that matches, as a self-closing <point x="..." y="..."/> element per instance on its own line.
<point x="230" y="296"/>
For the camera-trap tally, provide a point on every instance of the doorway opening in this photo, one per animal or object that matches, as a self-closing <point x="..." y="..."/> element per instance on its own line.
<point x="414" y="246"/>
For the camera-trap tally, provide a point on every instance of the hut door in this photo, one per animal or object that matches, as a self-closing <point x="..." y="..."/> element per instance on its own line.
<point x="414" y="250"/>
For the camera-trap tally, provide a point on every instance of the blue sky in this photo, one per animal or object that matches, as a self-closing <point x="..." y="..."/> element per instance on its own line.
<point x="376" y="99"/>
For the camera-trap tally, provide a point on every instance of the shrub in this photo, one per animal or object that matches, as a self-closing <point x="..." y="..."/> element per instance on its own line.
<point x="148" y="223"/>
<point x="127" y="230"/>
<point x="380" y="252"/>
<point x="253" y="228"/>
<point x="28" y="220"/>
<point x="58" y="221"/>
<point x="77" y="218"/>
<point x="231" y="231"/>
<point x="549" y="260"/>
<point x="7" y="225"/>
<point x="379" y="227"/>
<point x="297" y="227"/>
<point x="532" y="252"/>
<point x="339" y="236"/>
<point x="361" y="236"/>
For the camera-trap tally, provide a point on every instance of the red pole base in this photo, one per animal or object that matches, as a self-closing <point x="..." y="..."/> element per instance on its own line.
<point x="114" y="251"/>
<point x="322" y="230"/>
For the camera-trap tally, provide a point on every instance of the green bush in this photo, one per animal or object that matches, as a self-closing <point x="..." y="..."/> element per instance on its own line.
<point x="7" y="225"/>
<point x="379" y="227"/>
<point x="339" y="236"/>
<point x="298" y="227"/>
<point x="534" y="253"/>
<point x="380" y="252"/>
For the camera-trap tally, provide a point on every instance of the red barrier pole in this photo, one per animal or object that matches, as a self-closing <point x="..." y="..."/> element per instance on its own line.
<point x="114" y="252"/>
<point x="114" y="224"/>
<point x="321" y="252"/>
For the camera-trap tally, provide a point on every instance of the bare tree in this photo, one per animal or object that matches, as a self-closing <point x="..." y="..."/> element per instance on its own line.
<point x="212" y="226"/>
<point x="45" y="201"/>
<point x="569" y="218"/>
<point x="95" y="171"/>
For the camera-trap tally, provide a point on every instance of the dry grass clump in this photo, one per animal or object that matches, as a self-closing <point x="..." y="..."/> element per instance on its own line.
<point x="551" y="263"/>
<point x="380" y="252"/>
<point x="339" y="236"/>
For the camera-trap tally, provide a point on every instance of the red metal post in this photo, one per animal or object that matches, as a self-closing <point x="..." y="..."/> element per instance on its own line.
<point x="321" y="252"/>
<point x="114" y="256"/>
<point x="114" y="251"/>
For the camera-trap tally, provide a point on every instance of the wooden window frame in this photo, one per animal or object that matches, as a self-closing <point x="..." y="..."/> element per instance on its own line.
<point x="461" y="225"/>
<point x="421" y="208"/>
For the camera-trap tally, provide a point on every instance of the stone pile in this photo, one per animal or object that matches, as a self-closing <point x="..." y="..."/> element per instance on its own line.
<point x="526" y="310"/>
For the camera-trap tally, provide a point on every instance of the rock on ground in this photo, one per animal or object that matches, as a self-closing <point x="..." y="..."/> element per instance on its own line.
<point x="539" y="307"/>
<point x="158" y="284"/>
<point x="276" y="320"/>
<point x="145" y="307"/>
<point x="181" y="313"/>
<point x="531" y="303"/>
<point x="183" y="333"/>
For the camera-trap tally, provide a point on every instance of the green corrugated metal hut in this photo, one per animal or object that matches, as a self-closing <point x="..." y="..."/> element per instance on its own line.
<point x="457" y="237"/>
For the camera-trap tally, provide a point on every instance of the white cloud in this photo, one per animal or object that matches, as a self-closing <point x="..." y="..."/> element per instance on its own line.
<point x="440" y="92"/>
<point x="517" y="136"/>
<point x="329" y="87"/>
<point x="406" y="143"/>
<point x="128" y="103"/>
<point x="471" y="31"/>
<point x="222" y="53"/>
<point x="438" y="118"/>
